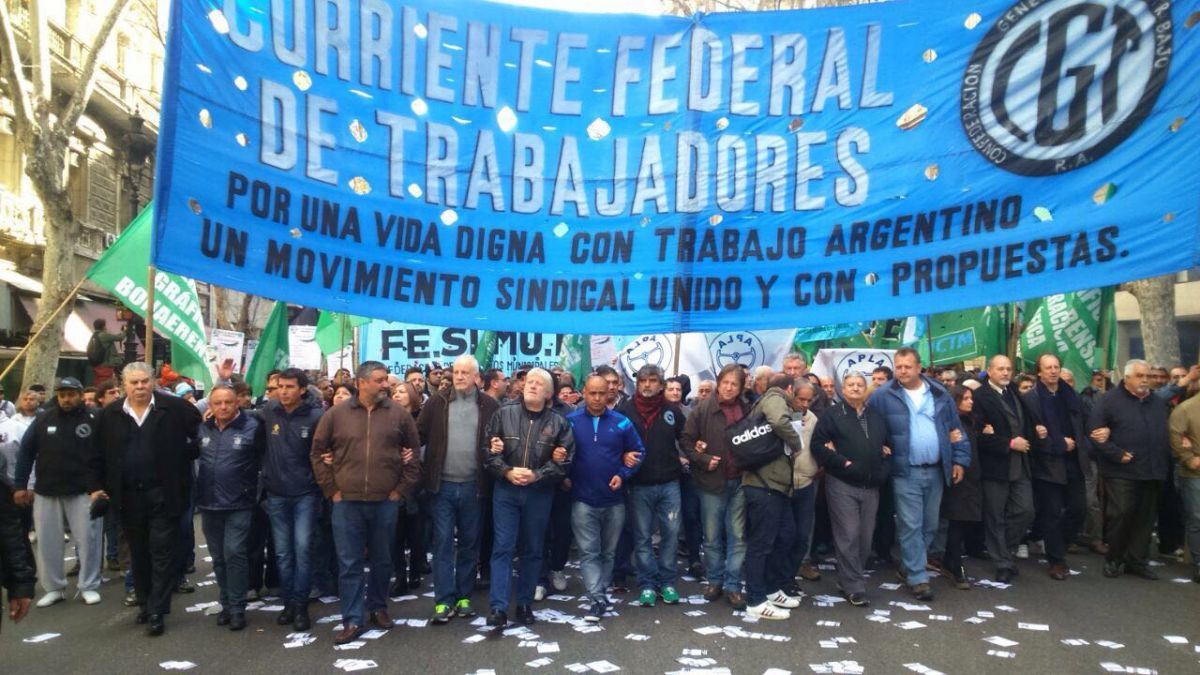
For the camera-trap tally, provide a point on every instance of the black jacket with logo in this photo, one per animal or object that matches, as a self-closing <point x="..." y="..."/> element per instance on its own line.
<point x="17" y="569"/>
<point x="286" y="466"/>
<point x="661" y="463"/>
<point x="60" y="443"/>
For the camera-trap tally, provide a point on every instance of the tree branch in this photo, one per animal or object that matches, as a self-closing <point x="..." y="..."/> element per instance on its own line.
<point x="12" y="72"/>
<point x="87" y="75"/>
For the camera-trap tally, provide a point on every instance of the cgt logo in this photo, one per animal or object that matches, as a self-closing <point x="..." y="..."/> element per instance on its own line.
<point x="1056" y="85"/>
<point x="738" y="347"/>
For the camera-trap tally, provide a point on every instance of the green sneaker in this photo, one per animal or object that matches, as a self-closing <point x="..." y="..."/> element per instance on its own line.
<point x="670" y="595"/>
<point x="462" y="609"/>
<point x="647" y="598"/>
<point x="441" y="613"/>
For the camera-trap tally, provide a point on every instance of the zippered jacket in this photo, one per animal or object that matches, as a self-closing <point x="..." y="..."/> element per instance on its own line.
<point x="529" y="441"/>
<point x="367" y="448"/>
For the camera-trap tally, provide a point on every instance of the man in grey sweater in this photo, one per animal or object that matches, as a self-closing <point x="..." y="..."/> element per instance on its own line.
<point x="452" y="430"/>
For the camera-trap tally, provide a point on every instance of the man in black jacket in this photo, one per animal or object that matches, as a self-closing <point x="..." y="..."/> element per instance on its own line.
<point x="529" y="452"/>
<point x="60" y="443"/>
<point x="1060" y="462"/>
<point x="146" y="444"/>
<point x="1004" y="444"/>
<point x="654" y="496"/>
<point x="1133" y="461"/>
<point x="453" y="432"/>
<point x="17" y="572"/>
<point x="293" y="496"/>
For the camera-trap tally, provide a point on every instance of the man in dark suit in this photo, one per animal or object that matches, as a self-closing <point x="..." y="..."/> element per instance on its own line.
<point x="1004" y="441"/>
<point x="143" y="463"/>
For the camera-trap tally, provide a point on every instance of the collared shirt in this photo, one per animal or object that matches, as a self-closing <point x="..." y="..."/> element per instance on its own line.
<point x="924" y="446"/>
<point x="139" y="420"/>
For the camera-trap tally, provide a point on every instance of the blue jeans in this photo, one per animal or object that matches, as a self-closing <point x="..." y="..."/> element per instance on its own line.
<point x="724" y="518"/>
<point x="292" y="522"/>
<point x="597" y="530"/>
<point x="918" y="498"/>
<point x="769" y="535"/>
<point x="655" y="505"/>
<point x="359" y="525"/>
<point x="455" y="508"/>
<point x="804" y="511"/>
<point x="226" y="533"/>
<point x="519" y="516"/>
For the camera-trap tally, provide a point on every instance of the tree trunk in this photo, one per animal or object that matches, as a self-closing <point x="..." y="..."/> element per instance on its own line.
<point x="1160" y="335"/>
<point x="58" y="278"/>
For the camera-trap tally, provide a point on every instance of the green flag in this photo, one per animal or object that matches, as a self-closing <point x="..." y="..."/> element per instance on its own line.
<point x="335" y="330"/>
<point x="485" y="351"/>
<point x="1070" y="326"/>
<point x="959" y="336"/>
<point x="575" y="356"/>
<point x="272" y="352"/>
<point x="123" y="271"/>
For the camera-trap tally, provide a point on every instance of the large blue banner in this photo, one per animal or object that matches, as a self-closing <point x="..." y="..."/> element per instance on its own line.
<point x="488" y="166"/>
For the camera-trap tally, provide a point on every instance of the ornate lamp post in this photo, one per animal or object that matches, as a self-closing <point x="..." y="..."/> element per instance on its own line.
<point x="138" y="148"/>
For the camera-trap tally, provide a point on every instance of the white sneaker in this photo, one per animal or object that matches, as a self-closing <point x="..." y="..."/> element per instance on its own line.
<point x="1023" y="552"/>
<point x="781" y="599"/>
<point x="558" y="580"/>
<point x="768" y="611"/>
<point x="90" y="597"/>
<point x="51" y="598"/>
<point x="539" y="593"/>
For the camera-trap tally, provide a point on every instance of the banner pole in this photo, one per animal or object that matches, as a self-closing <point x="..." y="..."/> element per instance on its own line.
<point x="150" y="317"/>
<point x="929" y="337"/>
<point x="42" y="328"/>
<point x="678" y="342"/>
<point x="342" y="342"/>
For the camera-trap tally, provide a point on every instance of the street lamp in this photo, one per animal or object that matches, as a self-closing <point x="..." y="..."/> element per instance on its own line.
<point x="138" y="147"/>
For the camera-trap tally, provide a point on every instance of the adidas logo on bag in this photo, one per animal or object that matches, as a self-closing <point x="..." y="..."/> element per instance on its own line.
<point x="751" y="434"/>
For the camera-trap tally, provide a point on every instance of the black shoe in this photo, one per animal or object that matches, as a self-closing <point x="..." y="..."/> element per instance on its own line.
<point x="1005" y="575"/>
<point x="497" y="619"/>
<point x="793" y="590"/>
<point x="191" y="569"/>
<point x="237" y="621"/>
<point x="287" y="616"/>
<point x="525" y="615"/>
<point x="959" y="574"/>
<point x="142" y="618"/>
<point x="595" y="613"/>
<point x="185" y="586"/>
<point x="156" y="627"/>
<point x="426" y="568"/>
<point x="223" y="618"/>
<point x="302" y="622"/>
<point x="1142" y="571"/>
<point x="414" y="581"/>
<point x="399" y="588"/>
<point x="858" y="600"/>
<point x="1113" y="569"/>
<point x="131" y="599"/>
<point x="696" y="570"/>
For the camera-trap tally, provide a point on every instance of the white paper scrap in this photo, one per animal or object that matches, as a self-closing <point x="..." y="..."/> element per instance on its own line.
<point x="547" y="647"/>
<point x="538" y="663"/>
<point x="1176" y="639"/>
<point x="1000" y="641"/>
<point x="472" y="639"/>
<point x="176" y="665"/>
<point x="373" y="634"/>
<point x="1033" y="626"/>
<point x="43" y="637"/>
<point x="1001" y="653"/>
<point x="351" y="665"/>
<point x="603" y="667"/>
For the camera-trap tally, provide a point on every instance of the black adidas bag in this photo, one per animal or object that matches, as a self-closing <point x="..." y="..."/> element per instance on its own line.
<point x="752" y="442"/>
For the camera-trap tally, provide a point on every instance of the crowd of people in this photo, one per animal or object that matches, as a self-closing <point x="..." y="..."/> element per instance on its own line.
<point x="356" y="486"/>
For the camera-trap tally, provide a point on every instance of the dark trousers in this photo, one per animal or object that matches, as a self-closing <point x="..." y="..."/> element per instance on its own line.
<point x="1170" y="516"/>
<point x="487" y="533"/>
<point x="956" y="541"/>
<point x="885" y="523"/>
<point x="693" y="530"/>
<point x="803" y="509"/>
<point x="1130" y="507"/>
<point x="1061" y="510"/>
<point x="1007" y="514"/>
<point x="558" y="536"/>
<point x="226" y="533"/>
<point x="409" y="549"/>
<point x="324" y="552"/>
<point x="261" y="552"/>
<point x="769" y="534"/>
<point x="153" y="535"/>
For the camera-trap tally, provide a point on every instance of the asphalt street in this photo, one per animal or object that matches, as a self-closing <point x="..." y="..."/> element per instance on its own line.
<point x="1114" y="624"/>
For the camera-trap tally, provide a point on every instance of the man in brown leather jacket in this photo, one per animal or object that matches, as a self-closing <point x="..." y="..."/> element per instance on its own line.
<point x="372" y="468"/>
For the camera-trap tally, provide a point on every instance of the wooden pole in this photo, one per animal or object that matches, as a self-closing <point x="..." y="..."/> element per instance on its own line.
<point x="42" y="328"/>
<point x="150" y="318"/>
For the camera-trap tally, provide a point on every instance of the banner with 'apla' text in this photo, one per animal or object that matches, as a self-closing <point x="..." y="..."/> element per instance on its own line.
<point x="483" y="165"/>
